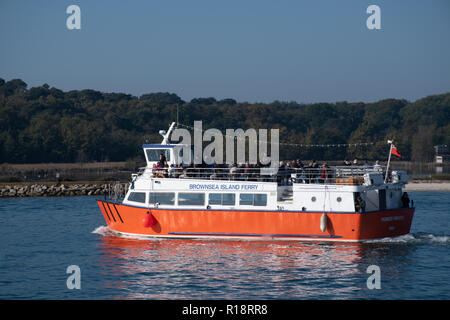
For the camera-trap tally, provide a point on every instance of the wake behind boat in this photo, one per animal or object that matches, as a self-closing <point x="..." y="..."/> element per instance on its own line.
<point x="336" y="203"/>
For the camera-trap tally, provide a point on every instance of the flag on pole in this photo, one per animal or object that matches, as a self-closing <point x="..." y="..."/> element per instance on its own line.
<point x="395" y="152"/>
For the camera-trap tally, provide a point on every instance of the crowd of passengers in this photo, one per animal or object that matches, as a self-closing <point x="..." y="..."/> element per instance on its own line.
<point x="310" y="173"/>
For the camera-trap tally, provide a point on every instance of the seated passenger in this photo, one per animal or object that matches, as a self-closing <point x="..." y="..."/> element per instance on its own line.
<point x="157" y="173"/>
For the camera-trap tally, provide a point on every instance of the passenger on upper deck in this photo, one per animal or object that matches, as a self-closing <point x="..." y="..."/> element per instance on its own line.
<point x="175" y="171"/>
<point x="312" y="171"/>
<point x="377" y="167"/>
<point x="282" y="170"/>
<point x="325" y="174"/>
<point x="233" y="171"/>
<point x="162" y="161"/>
<point x="158" y="171"/>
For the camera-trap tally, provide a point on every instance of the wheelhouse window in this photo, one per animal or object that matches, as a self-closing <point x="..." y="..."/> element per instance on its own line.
<point x="225" y="199"/>
<point x="251" y="199"/>
<point x="153" y="154"/>
<point x="191" y="199"/>
<point x="162" y="198"/>
<point x="137" y="197"/>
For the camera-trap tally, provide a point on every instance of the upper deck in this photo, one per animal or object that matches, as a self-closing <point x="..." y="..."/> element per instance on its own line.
<point x="284" y="176"/>
<point x="168" y="181"/>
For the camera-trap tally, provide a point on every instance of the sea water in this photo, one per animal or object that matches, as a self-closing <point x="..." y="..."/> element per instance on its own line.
<point x="41" y="238"/>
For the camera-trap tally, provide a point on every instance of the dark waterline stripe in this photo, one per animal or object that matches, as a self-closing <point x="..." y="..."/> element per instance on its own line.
<point x="254" y="235"/>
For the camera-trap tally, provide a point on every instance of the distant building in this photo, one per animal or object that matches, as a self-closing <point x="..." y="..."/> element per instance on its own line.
<point x="441" y="154"/>
<point x="440" y="150"/>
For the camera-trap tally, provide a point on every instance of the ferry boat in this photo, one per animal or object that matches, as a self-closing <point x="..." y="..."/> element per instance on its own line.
<point x="340" y="203"/>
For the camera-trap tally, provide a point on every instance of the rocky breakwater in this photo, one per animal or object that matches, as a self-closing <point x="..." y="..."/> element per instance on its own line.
<point x="53" y="190"/>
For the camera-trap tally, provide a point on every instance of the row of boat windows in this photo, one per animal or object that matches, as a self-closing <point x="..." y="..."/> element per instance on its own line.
<point x="198" y="199"/>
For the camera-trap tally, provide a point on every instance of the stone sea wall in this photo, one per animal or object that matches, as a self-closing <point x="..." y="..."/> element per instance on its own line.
<point x="53" y="190"/>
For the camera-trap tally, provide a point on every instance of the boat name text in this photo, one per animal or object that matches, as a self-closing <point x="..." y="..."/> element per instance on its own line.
<point x="215" y="186"/>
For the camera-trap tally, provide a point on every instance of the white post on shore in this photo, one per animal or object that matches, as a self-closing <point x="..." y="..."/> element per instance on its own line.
<point x="389" y="160"/>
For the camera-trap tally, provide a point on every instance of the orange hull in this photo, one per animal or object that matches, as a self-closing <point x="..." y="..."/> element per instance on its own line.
<point x="287" y="225"/>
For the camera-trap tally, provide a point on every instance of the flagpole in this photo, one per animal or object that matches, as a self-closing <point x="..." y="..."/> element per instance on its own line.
<point x="389" y="160"/>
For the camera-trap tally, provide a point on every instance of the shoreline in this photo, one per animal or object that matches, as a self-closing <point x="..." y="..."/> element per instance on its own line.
<point x="52" y="189"/>
<point x="65" y="189"/>
<point x="428" y="186"/>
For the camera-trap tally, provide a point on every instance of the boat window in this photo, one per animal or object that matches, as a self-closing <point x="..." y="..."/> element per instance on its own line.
<point x="162" y="198"/>
<point x="260" y="200"/>
<point x="226" y="199"/>
<point x="137" y="197"/>
<point x="215" y="198"/>
<point x="250" y="199"/>
<point x="191" y="199"/>
<point x="246" y="199"/>
<point x="153" y="154"/>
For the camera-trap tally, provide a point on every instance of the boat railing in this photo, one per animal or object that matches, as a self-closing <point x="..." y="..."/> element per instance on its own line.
<point x="351" y="175"/>
<point x="117" y="191"/>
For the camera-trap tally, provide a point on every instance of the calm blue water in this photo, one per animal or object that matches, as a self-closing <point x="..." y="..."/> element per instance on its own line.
<point x="41" y="237"/>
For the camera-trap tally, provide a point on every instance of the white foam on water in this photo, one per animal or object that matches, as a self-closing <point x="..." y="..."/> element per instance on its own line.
<point x="438" y="239"/>
<point x="407" y="238"/>
<point x="414" y="238"/>
<point x="137" y="237"/>
<point x="107" y="232"/>
<point x="103" y="230"/>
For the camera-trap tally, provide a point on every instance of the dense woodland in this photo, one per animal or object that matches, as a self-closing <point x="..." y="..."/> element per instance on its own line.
<point x="45" y="124"/>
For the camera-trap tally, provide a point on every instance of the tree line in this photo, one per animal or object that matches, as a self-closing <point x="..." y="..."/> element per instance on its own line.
<point x="46" y="124"/>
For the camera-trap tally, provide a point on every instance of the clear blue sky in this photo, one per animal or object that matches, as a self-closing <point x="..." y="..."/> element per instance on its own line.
<point x="304" y="51"/>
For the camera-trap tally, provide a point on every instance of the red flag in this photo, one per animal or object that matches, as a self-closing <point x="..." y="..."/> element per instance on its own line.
<point x="395" y="152"/>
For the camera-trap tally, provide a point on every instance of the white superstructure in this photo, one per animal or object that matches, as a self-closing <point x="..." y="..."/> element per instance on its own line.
<point x="330" y="189"/>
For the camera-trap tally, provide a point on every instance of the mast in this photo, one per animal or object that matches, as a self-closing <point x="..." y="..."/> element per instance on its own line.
<point x="389" y="160"/>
